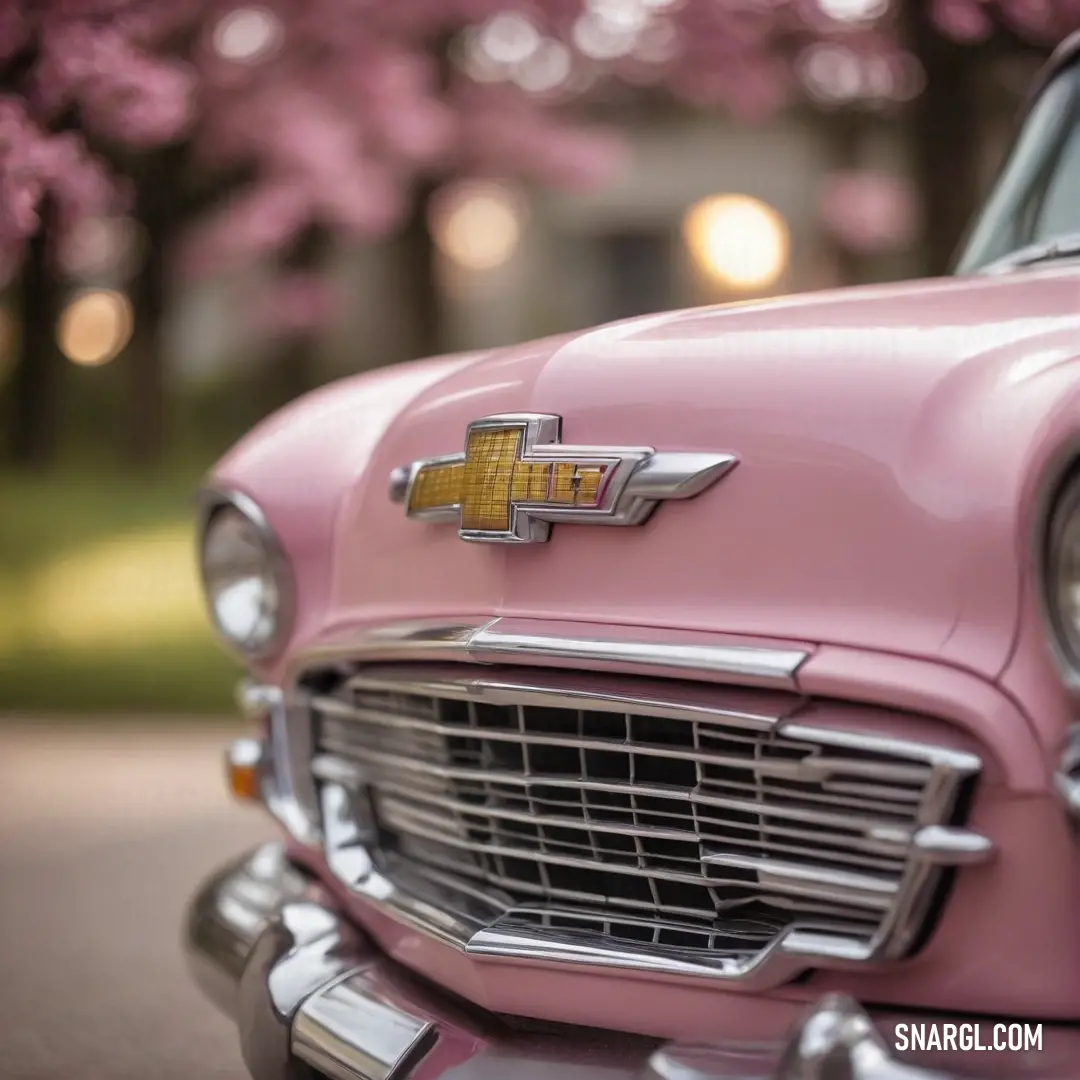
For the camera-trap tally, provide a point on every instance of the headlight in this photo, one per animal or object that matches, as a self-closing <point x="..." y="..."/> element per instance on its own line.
<point x="245" y="576"/>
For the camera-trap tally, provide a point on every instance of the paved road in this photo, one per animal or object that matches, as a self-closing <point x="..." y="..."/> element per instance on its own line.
<point x="103" y="834"/>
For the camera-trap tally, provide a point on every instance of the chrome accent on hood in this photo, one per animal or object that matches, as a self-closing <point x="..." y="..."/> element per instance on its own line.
<point x="501" y="640"/>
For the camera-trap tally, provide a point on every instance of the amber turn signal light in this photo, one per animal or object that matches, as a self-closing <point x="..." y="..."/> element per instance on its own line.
<point x="243" y="767"/>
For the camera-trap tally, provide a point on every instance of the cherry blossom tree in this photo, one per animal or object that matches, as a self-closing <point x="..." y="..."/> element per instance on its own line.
<point x="76" y="76"/>
<point x="315" y="118"/>
<point x="352" y="121"/>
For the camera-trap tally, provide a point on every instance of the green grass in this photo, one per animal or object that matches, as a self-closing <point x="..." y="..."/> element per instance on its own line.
<point x="99" y="606"/>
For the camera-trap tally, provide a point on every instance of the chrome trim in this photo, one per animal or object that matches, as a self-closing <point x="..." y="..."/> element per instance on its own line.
<point x="347" y="1031"/>
<point x="211" y="500"/>
<point x="286" y="786"/>
<point x="837" y="1038"/>
<point x="447" y="909"/>
<point x="465" y="916"/>
<point x="497" y="640"/>
<point x="950" y="846"/>
<point x="834" y="1040"/>
<point x="398" y="486"/>
<point x="639" y="479"/>
<point x="1065" y="53"/>
<point x="295" y="978"/>
<point x="436" y="515"/>
<point x="1067" y="775"/>
<point x="307" y="989"/>
<point x="229" y="913"/>
<point x="256" y="700"/>
<point x="744" y="665"/>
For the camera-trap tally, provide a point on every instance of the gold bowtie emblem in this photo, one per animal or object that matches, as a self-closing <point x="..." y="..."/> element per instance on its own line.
<point x="515" y="479"/>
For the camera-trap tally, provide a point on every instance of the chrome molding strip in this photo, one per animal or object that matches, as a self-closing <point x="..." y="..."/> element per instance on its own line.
<point x="737" y="664"/>
<point x="592" y="647"/>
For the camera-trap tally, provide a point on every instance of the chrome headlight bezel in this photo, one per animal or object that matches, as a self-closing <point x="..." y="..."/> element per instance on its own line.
<point x="214" y="503"/>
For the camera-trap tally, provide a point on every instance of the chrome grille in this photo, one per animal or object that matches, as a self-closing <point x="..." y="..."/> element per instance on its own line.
<point x="641" y="814"/>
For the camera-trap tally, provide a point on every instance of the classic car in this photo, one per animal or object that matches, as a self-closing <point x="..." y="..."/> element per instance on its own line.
<point x="693" y="697"/>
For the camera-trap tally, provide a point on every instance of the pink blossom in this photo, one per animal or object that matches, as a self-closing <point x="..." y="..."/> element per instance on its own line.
<point x="869" y="211"/>
<point x="124" y="93"/>
<point x="355" y="102"/>
<point x="14" y="29"/>
<point x="297" y="304"/>
<point x="249" y="226"/>
<point x="962" y="20"/>
<point x="34" y="164"/>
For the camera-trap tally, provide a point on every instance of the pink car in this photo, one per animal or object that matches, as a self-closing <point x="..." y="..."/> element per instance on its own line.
<point x="690" y="698"/>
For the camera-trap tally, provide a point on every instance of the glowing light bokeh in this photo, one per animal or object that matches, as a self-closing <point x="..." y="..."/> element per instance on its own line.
<point x="854" y="10"/>
<point x="477" y="225"/>
<point x="247" y="35"/>
<point x="95" y="327"/>
<point x="737" y="240"/>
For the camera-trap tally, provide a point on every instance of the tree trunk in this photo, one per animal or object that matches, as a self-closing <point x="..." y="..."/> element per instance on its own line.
<point x="843" y="137"/>
<point x="157" y="211"/>
<point x="35" y="384"/>
<point x="427" y="314"/>
<point x="291" y="369"/>
<point x="146" y="360"/>
<point x="421" y="286"/>
<point x="943" y="132"/>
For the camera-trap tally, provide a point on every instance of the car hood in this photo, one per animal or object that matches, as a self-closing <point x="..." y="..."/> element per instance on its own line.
<point x="889" y="440"/>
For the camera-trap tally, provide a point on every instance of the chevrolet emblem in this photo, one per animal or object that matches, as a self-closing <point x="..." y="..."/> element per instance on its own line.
<point x="515" y="480"/>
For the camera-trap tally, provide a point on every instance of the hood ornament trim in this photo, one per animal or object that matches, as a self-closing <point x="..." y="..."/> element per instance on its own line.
<point x="515" y="479"/>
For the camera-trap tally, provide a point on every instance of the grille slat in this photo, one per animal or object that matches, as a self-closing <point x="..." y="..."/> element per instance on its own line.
<point x="851" y="850"/>
<point x="704" y="797"/>
<point x="783" y="878"/>
<point x="816" y="770"/>
<point x="667" y="825"/>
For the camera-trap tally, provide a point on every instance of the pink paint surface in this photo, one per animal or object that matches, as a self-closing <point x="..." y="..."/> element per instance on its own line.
<point x="894" y="444"/>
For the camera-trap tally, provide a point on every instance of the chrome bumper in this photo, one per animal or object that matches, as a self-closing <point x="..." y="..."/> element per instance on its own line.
<point x="312" y="998"/>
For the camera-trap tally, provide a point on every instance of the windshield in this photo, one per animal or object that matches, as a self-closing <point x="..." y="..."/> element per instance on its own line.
<point x="1037" y="196"/>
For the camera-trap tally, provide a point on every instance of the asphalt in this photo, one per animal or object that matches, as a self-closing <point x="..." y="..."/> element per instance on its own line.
<point x="104" y="833"/>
